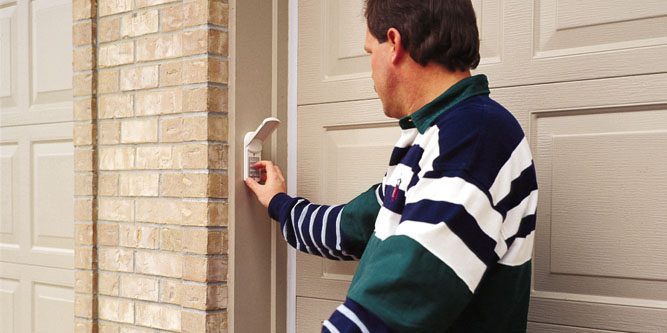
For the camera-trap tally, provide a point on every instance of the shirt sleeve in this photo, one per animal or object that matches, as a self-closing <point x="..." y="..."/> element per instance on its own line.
<point x="334" y="232"/>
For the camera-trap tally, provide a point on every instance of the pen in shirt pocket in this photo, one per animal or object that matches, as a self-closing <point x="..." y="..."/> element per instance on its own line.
<point x="394" y="194"/>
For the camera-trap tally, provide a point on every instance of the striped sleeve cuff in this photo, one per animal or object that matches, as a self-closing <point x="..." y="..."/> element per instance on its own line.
<point x="280" y="206"/>
<point x="350" y="317"/>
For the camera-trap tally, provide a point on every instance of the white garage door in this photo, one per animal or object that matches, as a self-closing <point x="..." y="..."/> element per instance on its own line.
<point x="36" y="164"/>
<point x="588" y="82"/>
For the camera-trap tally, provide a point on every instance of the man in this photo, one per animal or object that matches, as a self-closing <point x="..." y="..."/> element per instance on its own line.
<point x="446" y="239"/>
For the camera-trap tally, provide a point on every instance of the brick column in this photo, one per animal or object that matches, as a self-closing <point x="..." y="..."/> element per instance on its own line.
<point x="150" y="87"/>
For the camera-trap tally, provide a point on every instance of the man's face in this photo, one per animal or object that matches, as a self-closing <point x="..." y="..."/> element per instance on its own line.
<point x="381" y="73"/>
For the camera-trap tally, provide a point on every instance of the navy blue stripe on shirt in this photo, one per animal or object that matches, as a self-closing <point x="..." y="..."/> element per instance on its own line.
<point x="397" y="154"/>
<point x="351" y="317"/>
<point x="526" y="227"/>
<point x="521" y="187"/>
<point x="459" y="222"/>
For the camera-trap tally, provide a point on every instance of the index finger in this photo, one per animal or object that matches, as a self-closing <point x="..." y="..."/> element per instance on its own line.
<point x="263" y="165"/>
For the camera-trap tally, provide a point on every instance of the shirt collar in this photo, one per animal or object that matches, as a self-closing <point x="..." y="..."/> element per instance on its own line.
<point x="427" y="114"/>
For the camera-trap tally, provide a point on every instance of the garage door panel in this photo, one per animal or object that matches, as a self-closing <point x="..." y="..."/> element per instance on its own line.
<point x="8" y="174"/>
<point x="7" y="53"/>
<point x="52" y="196"/>
<point x="51" y="303"/>
<point x="312" y="312"/>
<point x="41" y="191"/>
<point x="52" y="71"/>
<point x="343" y="150"/>
<point x="9" y="298"/>
<point x="332" y="63"/>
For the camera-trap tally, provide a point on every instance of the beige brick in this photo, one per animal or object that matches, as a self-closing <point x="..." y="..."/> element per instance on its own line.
<point x="159" y="263"/>
<point x="139" y="23"/>
<point x="84" y="134"/>
<point x="136" y="329"/>
<point x="164" y="211"/>
<point x="217" y="99"/>
<point x="217" y="185"/>
<point x="194" y="13"/>
<point x="171" y="18"/>
<point x="195" y="71"/>
<point x="82" y="33"/>
<point x="159" y="47"/>
<point x="83" y="184"/>
<point x="217" y="128"/>
<point x="83" y="209"/>
<point x="116" y="309"/>
<point x="155" y="158"/>
<point x="217" y="214"/>
<point x="108" y="81"/>
<point x="83" y="281"/>
<point x="158" y="102"/>
<point x="195" y="100"/>
<point x="113" y="209"/>
<point x="158" y="316"/>
<point x="83" y="257"/>
<point x="83" y="159"/>
<point x="108" y="29"/>
<point x="218" y="42"/>
<point x="148" y="3"/>
<point x="139" y="184"/>
<point x="81" y="9"/>
<point x="83" y="109"/>
<point x="193" y="156"/>
<point x="204" y="297"/>
<point x="170" y="291"/>
<point x="138" y="236"/>
<point x="82" y="59"/>
<point x="82" y="84"/>
<point x="194" y="213"/>
<point x="185" y="185"/>
<point x="170" y="239"/>
<point x="109" y="283"/>
<point x="108" y="328"/>
<point x="139" y="287"/>
<point x="195" y="42"/>
<point x="109" y="132"/>
<point x="171" y="73"/>
<point x="219" y="13"/>
<point x="138" y="130"/>
<point x="82" y="325"/>
<point x="116" y="54"/>
<point x="184" y="129"/>
<point x="139" y="78"/>
<point x="83" y="305"/>
<point x="116" y="106"/>
<point x="116" y="259"/>
<point x="116" y="158"/>
<point x="107" y="234"/>
<point x="200" y="321"/>
<point x="204" y="269"/>
<point x="218" y="70"/>
<point x="204" y="241"/>
<point x="109" y="7"/>
<point x="108" y="183"/>
<point x="83" y="234"/>
<point x="217" y="156"/>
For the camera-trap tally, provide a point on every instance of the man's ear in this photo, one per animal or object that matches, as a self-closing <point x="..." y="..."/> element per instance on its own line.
<point x="394" y="40"/>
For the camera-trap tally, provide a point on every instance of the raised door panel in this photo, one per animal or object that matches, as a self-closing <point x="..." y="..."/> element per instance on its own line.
<point x="343" y="150"/>
<point x="37" y="227"/>
<point x="332" y="63"/>
<point x="7" y="54"/>
<point x="600" y="230"/>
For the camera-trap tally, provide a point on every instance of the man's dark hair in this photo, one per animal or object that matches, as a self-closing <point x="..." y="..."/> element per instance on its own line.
<point x="443" y="31"/>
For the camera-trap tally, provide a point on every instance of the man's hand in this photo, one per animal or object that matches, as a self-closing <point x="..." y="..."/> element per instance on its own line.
<point x="274" y="184"/>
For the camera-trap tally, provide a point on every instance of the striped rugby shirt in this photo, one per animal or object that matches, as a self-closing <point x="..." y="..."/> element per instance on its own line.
<point x="445" y="241"/>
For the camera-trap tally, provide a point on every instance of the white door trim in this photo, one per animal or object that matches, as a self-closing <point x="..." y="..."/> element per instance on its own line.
<point x="292" y="50"/>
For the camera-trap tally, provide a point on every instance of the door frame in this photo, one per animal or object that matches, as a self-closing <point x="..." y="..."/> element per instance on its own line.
<point x="258" y="84"/>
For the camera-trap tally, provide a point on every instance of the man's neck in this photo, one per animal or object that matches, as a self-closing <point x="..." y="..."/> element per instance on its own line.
<point x="424" y="84"/>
